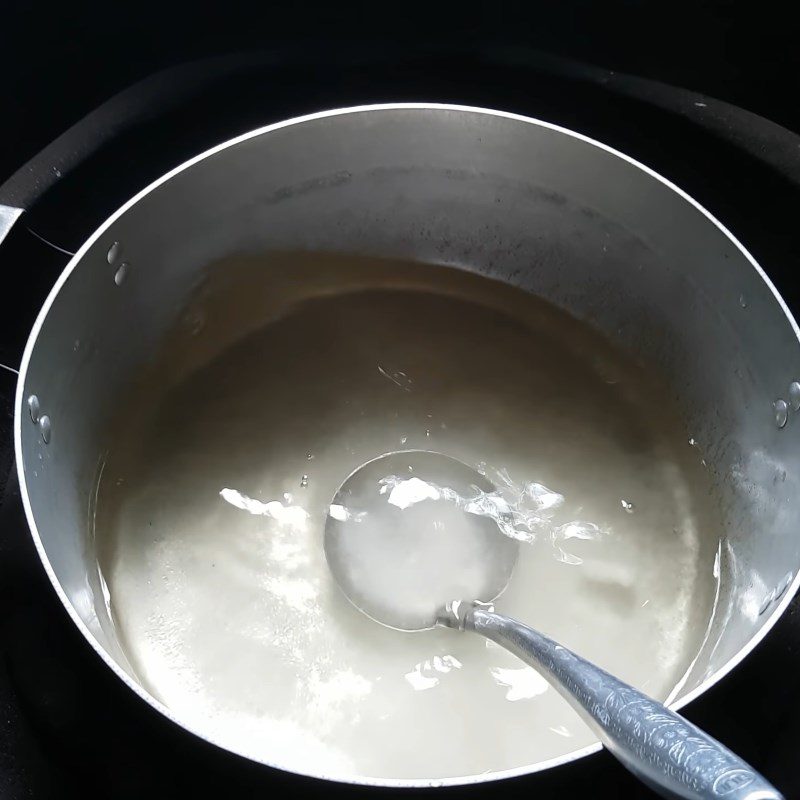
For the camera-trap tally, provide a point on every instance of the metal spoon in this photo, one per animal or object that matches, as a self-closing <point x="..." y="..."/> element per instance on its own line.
<point x="405" y="509"/>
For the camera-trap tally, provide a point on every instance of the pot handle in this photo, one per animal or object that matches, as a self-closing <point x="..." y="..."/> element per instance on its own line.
<point x="664" y="750"/>
<point x="8" y="216"/>
<point x="131" y="107"/>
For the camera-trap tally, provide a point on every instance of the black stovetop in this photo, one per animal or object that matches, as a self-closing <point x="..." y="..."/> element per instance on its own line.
<point x="68" y="727"/>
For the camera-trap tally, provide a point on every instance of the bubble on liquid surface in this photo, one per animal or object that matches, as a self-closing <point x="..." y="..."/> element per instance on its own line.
<point x="33" y="408"/>
<point x="121" y="274"/>
<point x="114" y="252"/>
<point x="45" y="429"/>
<point x="781" y="409"/>
<point x="794" y="395"/>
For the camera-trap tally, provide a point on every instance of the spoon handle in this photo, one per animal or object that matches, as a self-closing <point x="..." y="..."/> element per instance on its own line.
<point x="667" y="752"/>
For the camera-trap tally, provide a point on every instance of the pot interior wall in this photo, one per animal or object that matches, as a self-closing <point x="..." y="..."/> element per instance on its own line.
<point x="516" y="201"/>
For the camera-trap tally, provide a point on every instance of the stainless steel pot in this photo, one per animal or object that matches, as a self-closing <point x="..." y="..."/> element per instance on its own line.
<point x="513" y="198"/>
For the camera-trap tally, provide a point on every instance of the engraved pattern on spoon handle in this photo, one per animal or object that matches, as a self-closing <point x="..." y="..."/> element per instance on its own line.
<point x="663" y="749"/>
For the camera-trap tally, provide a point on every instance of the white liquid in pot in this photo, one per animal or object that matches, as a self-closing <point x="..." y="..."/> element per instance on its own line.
<point x="286" y="374"/>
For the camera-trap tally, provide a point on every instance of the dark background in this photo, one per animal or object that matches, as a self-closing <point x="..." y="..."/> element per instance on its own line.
<point x="68" y="727"/>
<point x="60" y="60"/>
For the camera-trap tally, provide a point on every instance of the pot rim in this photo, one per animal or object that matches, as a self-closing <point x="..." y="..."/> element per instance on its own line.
<point x="710" y="681"/>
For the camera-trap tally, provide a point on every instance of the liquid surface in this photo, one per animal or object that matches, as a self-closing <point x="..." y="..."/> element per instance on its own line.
<point x="287" y="373"/>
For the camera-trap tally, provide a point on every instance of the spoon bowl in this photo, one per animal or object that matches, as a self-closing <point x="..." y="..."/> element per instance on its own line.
<point x="411" y="530"/>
